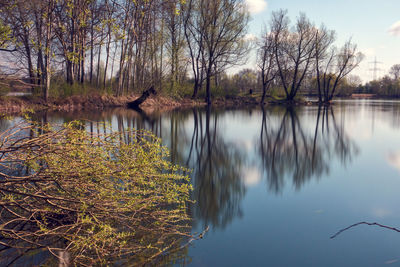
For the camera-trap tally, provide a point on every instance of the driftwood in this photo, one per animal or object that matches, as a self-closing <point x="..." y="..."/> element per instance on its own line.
<point x="136" y="103"/>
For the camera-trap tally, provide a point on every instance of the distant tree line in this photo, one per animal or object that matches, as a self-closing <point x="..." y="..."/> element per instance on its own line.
<point x="387" y="86"/>
<point x="124" y="45"/>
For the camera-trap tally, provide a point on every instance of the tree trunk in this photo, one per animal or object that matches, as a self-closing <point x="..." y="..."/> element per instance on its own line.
<point x="98" y="61"/>
<point x="91" y="44"/>
<point x="48" y="54"/>
<point x="107" y="55"/>
<point x="195" y="88"/>
<point x="83" y="58"/>
<point x="29" y="58"/>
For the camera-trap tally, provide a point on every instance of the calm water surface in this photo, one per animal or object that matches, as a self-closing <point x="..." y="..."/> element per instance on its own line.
<point x="274" y="185"/>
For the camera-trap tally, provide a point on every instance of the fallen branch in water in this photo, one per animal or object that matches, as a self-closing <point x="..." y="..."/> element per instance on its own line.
<point x="194" y="238"/>
<point x="136" y="103"/>
<point x="366" y="223"/>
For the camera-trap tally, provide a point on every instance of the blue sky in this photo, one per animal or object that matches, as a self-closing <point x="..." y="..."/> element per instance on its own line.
<point x="373" y="25"/>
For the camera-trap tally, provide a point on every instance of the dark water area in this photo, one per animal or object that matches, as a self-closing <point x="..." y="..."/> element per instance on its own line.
<point x="274" y="184"/>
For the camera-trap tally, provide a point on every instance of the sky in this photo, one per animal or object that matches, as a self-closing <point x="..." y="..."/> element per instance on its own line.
<point x="373" y="25"/>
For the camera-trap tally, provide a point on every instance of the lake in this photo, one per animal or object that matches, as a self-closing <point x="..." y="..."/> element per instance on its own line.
<point x="275" y="184"/>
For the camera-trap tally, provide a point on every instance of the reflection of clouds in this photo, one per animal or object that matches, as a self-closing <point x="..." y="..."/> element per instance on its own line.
<point x="393" y="158"/>
<point x="358" y="133"/>
<point x="380" y="212"/>
<point x="251" y="176"/>
<point x="391" y="261"/>
<point x="245" y="144"/>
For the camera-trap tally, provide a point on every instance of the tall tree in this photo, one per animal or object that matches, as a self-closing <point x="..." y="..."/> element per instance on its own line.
<point x="194" y="39"/>
<point x="49" y="37"/>
<point x="332" y="70"/>
<point x="293" y="50"/>
<point x="395" y="71"/>
<point x="323" y="56"/>
<point x="266" y="62"/>
<point x="221" y="26"/>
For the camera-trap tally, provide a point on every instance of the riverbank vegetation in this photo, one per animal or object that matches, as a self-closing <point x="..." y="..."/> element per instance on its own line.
<point x="182" y="48"/>
<point x="89" y="199"/>
<point x="388" y="86"/>
<point x="289" y="55"/>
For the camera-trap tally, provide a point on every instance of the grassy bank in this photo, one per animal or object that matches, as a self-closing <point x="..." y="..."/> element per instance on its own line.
<point x="17" y="104"/>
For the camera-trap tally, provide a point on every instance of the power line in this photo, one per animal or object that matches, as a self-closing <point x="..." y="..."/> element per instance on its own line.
<point x="375" y="69"/>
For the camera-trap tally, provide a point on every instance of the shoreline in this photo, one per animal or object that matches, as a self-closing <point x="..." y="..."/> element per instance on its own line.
<point x="17" y="104"/>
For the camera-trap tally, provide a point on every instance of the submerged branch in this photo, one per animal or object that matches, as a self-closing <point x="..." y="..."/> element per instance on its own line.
<point x="366" y="223"/>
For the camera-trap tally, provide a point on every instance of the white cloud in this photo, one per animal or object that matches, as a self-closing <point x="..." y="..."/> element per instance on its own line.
<point x="395" y="29"/>
<point x="369" y="52"/>
<point x="250" y="37"/>
<point x="256" y="6"/>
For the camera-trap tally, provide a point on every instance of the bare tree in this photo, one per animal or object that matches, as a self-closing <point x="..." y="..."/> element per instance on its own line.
<point x="395" y="71"/>
<point x="335" y="67"/>
<point x="293" y="50"/>
<point x="266" y="62"/>
<point x="323" y="55"/>
<point x="176" y="38"/>
<point x="195" y="44"/>
<point x="17" y="29"/>
<point x="221" y="26"/>
<point x="49" y="37"/>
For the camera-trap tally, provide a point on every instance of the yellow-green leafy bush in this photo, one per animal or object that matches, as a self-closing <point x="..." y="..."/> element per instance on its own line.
<point x="95" y="197"/>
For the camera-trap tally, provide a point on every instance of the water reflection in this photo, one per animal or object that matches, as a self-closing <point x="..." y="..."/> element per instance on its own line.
<point x="293" y="146"/>
<point x="289" y="149"/>
<point x="281" y="147"/>
<point x="196" y="140"/>
<point x="217" y="165"/>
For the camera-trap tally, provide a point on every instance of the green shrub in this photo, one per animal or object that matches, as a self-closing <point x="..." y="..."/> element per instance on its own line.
<point x="94" y="196"/>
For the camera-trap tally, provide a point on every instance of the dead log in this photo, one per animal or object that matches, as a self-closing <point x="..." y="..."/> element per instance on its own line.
<point x="136" y="103"/>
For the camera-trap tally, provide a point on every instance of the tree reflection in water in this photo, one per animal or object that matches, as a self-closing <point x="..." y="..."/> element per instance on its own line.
<point x="217" y="165"/>
<point x="288" y="150"/>
<point x="290" y="147"/>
